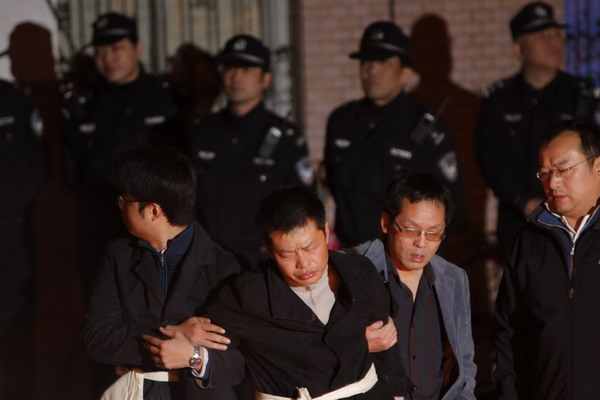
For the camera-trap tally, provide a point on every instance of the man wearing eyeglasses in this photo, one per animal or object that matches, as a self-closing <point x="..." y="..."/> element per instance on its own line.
<point x="160" y="275"/>
<point x="548" y="306"/>
<point x="430" y="296"/>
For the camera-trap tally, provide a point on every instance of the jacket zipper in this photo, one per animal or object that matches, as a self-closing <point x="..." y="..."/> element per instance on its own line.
<point x="570" y="326"/>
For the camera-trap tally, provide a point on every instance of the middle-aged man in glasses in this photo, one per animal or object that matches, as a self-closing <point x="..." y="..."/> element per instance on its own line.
<point x="548" y="306"/>
<point x="518" y="111"/>
<point x="430" y="296"/>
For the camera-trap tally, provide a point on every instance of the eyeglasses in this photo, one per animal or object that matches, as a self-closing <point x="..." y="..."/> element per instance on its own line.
<point x="558" y="172"/>
<point x="413" y="234"/>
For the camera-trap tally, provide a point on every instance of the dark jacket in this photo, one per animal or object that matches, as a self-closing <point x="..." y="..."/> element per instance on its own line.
<point x="234" y="176"/>
<point x="366" y="146"/>
<point x="513" y="119"/>
<point x="127" y="302"/>
<point x="286" y="346"/>
<point x="451" y="287"/>
<point x="547" y="324"/>
<point x="105" y="120"/>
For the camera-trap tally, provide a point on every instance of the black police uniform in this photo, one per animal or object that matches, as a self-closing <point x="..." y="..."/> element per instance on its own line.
<point x="513" y="120"/>
<point x="240" y="161"/>
<point x="366" y="146"/>
<point x="105" y="120"/>
<point x="21" y="172"/>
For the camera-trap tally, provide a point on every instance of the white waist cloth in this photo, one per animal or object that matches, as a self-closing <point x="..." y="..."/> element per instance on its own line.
<point x="358" y="387"/>
<point x="131" y="385"/>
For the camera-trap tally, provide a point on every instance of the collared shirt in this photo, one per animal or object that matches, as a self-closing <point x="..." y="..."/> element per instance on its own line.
<point x="318" y="296"/>
<point x="419" y="334"/>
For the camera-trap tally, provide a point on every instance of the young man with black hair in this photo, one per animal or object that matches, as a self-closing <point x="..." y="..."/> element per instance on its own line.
<point x="161" y="274"/>
<point x="245" y="152"/>
<point x="300" y="320"/>
<point x="430" y="296"/>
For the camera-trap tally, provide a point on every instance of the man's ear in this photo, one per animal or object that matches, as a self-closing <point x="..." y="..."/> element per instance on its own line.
<point x="266" y="80"/>
<point x="139" y="50"/>
<point x="156" y="211"/>
<point x="518" y="51"/>
<point x="385" y="222"/>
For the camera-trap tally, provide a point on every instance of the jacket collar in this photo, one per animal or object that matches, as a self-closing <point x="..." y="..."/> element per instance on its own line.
<point x="199" y="257"/>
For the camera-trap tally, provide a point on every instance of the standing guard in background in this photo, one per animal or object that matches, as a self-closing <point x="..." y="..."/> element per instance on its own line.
<point x="518" y="111"/>
<point x="244" y="152"/>
<point x="21" y="167"/>
<point x="123" y="108"/>
<point x="370" y="140"/>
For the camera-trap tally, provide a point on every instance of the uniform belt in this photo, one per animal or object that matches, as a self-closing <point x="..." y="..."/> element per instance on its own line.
<point x="358" y="387"/>
<point x="130" y="386"/>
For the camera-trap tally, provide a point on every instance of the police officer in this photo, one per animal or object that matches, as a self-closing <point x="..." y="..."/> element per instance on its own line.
<point x="245" y="152"/>
<point x="21" y="175"/>
<point x="124" y="107"/>
<point x="519" y="110"/>
<point x="370" y="140"/>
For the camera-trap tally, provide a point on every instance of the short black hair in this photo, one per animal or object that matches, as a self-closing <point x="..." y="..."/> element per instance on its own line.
<point x="287" y="209"/>
<point x="588" y="133"/>
<point x="159" y="175"/>
<point x="415" y="187"/>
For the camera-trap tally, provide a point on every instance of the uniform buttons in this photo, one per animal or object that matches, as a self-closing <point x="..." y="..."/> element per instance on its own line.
<point x="371" y="125"/>
<point x="8" y="136"/>
<point x="263" y="178"/>
<point x="414" y="357"/>
<point x="398" y="167"/>
<point x="235" y="141"/>
<point x="534" y="102"/>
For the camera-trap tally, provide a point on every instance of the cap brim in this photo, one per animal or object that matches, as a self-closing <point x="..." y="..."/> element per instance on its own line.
<point x="544" y="26"/>
<point x="373" y="54"/>
<point x="237" y="61"/>
<point x="109" y="39"/>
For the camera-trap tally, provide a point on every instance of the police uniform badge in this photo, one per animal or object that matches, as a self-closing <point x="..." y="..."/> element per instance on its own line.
<point x="305" y="171"/>
<point x="37" y="125"/>
<point x="449" y="166"/>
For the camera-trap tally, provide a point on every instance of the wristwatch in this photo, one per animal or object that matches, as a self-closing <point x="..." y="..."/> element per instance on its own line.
<point x="195" y="360"/>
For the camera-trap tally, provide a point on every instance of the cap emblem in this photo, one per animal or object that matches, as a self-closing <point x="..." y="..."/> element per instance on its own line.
<point x="377" y="35"/>
<point x="102" y="23"/>
<point x="240" y="45"/>
<point x="540" y="11"/>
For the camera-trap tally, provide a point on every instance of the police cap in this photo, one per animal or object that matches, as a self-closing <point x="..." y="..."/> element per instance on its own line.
<point x="245" y="51"/>
<point x="381" y="40"/>
<point x="111" y="27"/>
<point x="533" y="17"/>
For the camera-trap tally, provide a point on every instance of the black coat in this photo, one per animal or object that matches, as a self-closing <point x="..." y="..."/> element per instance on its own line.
<point x="127" y="303"/>
<point x="286" y="346"/>
<point x="513" y="119"/>
<point x="548" y="325"/>
<point x="366" y="146"/>
<point x="105" y="120"/>
<point x="233" y="179"/>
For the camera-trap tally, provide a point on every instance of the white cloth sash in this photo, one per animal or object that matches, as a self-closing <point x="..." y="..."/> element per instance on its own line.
<point x="358" y="387"/>
<point x="131" y="385"/>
